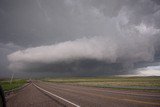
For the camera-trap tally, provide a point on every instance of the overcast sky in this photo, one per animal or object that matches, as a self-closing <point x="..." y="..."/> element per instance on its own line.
<point x="78" y="37"/>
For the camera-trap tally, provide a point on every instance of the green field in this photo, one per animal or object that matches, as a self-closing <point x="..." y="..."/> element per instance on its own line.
<point x="15" y="84"/>
<point x="136" y="83"/>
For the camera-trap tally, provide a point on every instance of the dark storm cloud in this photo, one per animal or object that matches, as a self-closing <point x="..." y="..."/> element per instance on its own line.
<point x="27" y="22"/>
<point x="6" y="49"/>
<point x="112" y="31"/>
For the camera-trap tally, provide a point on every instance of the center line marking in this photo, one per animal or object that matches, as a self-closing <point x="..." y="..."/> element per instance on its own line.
<point x="56" y="96"/>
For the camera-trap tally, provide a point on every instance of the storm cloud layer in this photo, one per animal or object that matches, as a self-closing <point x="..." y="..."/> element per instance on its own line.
<point x="122" y="32"/>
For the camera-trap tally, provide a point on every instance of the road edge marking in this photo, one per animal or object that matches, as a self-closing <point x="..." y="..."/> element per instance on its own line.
<point x="56" y="96"/>
<point x="129" y="100"/>
<point x="118" y="92"/>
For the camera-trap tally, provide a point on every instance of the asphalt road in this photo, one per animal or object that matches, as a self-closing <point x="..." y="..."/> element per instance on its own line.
<point x="30" y="96"/>
<point x="43" y="94"/>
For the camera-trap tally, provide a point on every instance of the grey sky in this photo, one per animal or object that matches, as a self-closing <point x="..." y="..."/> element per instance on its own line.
<point x="53" y="31"/>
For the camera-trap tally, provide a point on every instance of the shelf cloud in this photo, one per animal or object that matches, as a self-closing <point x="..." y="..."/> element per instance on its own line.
<point x="92" y="35"/>
<point x="131" y="43"/>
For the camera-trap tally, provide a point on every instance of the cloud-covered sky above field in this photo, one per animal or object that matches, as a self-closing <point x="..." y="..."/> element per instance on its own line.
<point x="78" y="37"/>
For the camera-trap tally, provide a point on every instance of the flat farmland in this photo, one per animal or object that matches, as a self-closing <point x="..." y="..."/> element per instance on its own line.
<point x="89" y="92"/>
<point x="127" y="83"/>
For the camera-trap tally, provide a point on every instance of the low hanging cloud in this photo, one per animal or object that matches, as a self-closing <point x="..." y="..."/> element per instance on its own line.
<point x="148" y="71"/>
<point x="116" y="39"/>
<point x="108" y="49"/>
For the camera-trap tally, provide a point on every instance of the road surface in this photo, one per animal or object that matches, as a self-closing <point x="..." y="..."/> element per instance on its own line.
<point x="44" y="94"/>
<point x="30" y="96"/>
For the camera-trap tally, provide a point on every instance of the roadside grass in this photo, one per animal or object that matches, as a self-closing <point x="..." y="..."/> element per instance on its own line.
<point x="15" y="84"/>
<point x="125" y="83"/>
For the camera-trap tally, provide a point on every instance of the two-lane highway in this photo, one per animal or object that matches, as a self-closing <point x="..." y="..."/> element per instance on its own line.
<point x="30" y="96"/>
<point x="44" y="94"/>
<point x="97" y="97"/>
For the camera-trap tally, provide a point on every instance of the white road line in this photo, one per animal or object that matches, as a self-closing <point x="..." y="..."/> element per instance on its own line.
<point x="56" y="96"/>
